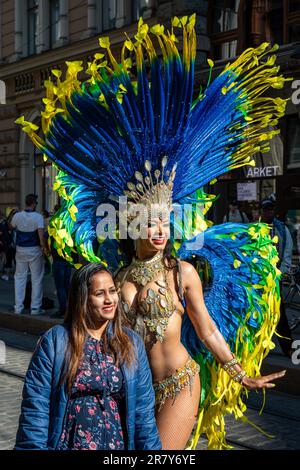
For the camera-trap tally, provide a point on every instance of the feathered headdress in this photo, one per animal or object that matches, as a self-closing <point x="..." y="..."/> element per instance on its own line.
<point x="105" y="132"/>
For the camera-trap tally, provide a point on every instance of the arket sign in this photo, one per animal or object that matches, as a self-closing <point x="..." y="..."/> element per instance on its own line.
<point x="262" y="172"/>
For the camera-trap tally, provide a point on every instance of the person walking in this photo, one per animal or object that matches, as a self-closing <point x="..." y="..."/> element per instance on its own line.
<point x="30" y="245"/>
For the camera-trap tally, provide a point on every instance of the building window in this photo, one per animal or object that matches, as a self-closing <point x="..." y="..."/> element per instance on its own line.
<point x="225" y="15"/>
<point x="32" y="19"/>
<point x="53" y="22"/>
<point x="114" y="14"/>
<point x="292" y="24"/>
<point x="139" y="8"/>
<point x="275" y="21"/>
<point x="225" y="50"/>
<point x="293" y="142"/>
<point x="224" y="28"/>
<point x="294" y="6"/>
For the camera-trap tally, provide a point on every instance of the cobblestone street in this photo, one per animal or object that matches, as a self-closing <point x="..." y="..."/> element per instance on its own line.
<point x="10" y="401"/>
<point x="280" y="418"/>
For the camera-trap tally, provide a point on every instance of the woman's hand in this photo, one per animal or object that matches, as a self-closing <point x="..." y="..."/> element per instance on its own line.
<point x="265" y="381"/>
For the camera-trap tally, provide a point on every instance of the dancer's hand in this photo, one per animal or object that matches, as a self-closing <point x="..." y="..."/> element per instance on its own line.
<point x="264" y="381"/>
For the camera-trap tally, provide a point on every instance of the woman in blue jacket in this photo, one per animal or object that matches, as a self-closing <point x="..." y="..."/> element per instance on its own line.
<point x="89" y="385"/>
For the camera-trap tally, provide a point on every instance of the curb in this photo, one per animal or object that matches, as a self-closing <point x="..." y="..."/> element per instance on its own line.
<point x="33" y="325"/>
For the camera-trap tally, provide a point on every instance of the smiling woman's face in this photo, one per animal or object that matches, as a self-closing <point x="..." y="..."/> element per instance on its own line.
<point x="158" y="233"/>
<point x="103" y="298"/>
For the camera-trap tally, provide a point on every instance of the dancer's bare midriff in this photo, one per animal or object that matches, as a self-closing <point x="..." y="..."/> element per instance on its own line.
<point x="167" y="356"/>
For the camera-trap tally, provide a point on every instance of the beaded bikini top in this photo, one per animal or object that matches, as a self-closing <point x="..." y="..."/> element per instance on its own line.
<point x="154" y="311"/>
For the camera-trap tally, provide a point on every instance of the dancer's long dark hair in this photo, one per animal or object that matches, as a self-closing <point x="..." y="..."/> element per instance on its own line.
<point x="77" y="319"/>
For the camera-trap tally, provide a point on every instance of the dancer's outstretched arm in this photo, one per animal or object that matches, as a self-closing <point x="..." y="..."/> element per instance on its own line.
<point x="211" y="336"/>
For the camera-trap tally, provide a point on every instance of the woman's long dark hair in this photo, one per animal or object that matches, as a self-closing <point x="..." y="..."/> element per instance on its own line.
<point x="77" y="320"/>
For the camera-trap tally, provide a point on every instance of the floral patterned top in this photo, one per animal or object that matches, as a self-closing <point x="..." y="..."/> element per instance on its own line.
<point x="96" y="404"/>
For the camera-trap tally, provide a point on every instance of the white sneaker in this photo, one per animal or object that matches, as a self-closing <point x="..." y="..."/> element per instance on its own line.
<point x="5" y="277"/>
<point x="18" y="312"/>
<point x="37" y="311"/>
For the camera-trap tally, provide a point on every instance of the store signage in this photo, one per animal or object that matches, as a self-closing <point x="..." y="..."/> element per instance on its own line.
<point x="246" y="191"/>
<point x="262" y="172"/>
<point x="268" y="164"/>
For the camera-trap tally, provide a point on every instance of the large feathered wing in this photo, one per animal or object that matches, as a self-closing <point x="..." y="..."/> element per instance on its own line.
<point x="243" y="298"/>
<point x="100" y="130"/>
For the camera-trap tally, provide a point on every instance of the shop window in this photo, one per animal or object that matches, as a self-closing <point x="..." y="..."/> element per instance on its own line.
<point x="293" y="223"/>
<point x="266" y="188"/>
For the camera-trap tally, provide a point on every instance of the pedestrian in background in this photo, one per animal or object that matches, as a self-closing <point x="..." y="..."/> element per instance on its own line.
<point x="46" y="215"/>
<point x="11" y="251"/>
<point x="30" y="245"/>
<point x="234" y="214"/>
<point x="255" y="213"/>
<point x="7" y="247"/>
<point x="4" y="244"/>
<point x="285" y="250"/>
<point x="61" y="271"/>
<point x="89" y="385"/>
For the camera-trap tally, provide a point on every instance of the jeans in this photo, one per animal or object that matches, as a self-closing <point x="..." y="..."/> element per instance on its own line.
<point x="32" y="259"/>
<point x="62" y="275"/>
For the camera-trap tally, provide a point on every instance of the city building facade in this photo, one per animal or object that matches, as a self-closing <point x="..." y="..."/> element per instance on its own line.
<point x="39" y="35"/>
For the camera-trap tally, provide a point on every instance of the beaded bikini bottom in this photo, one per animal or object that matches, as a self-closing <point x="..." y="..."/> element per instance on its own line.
<point x="171" y="386"/>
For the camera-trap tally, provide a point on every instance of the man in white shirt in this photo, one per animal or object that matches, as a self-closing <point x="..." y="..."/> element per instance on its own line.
<point x="30" y="244"/>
